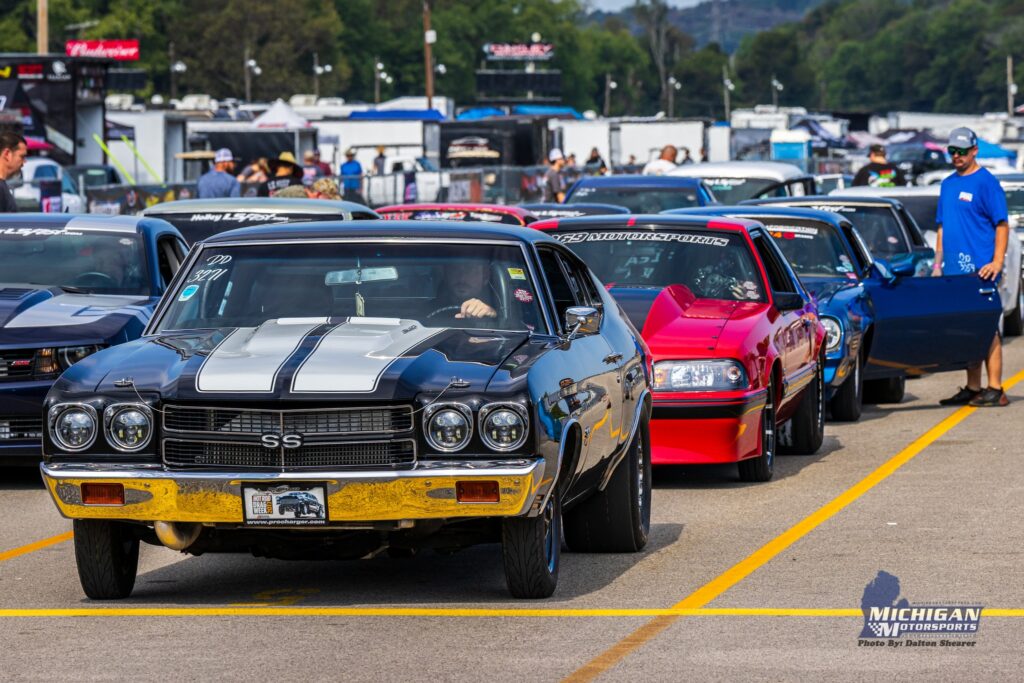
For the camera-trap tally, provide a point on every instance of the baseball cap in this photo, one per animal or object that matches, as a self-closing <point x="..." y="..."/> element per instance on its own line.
<point x="223" y="154"/>
<point x="555" y="155"/>
<point x="962" y="137"/>
<point x="876" y="149"/>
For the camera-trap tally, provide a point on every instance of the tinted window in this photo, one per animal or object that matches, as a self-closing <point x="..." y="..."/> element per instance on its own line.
<point x="244" y="286"/>
<point x="1014" y="200"/>
<point x="638" y="200"/>
<point x="878" y="225"/>
<point x="777" y="276"/>
<point x="713" y="265"/>
<point x="812" y="249"/>
<point x="734" y="190"/>
<point x="561" y="290"/>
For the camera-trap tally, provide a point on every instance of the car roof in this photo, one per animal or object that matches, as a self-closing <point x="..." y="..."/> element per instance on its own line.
<point x="646" y="221"/>
<point x="72" y="221"/>
<point x="581" y="208"/>
<point x="624" y="180"/>
<point x="441" y="230"/>
<point x="257" y="205"/>
<point x="772" y="170"/>
<point x="445" y="206"/>
<point x="898" y="191"/>
<point x="1010" y="177"/>
<point x="829" y="199"/>
<point x="754" y="211"/>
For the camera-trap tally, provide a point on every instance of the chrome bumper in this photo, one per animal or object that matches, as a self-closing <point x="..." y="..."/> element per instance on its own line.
<point x="426" y="491"/>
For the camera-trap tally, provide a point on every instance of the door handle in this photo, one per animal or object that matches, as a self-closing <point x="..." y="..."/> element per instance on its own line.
<point x="987" y="291"/>
<point x="613" y="358"/>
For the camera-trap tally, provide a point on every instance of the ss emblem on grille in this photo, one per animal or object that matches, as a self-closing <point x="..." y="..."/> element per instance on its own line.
<point x="275" y="440"/>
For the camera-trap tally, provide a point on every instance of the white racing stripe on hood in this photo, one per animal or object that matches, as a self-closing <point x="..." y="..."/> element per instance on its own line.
<point x="78" y="309"/>
<point x="250" y="358"/>
<point x="354" y="355"/>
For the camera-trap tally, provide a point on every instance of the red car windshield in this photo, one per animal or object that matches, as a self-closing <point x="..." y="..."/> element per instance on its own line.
<point x="714" y="265"/>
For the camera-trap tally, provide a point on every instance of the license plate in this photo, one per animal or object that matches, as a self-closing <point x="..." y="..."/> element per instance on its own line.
<point x="285" y="505"/>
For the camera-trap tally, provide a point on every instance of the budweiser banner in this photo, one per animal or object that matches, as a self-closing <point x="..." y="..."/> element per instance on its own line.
<point x="121" y="50"/>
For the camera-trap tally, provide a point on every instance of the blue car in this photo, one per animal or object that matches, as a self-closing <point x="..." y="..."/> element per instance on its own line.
<point x="70" y="286"/>
<point x="641" y="193"/>
<point x="554" y="210"/>
<point x="883" y="324"/>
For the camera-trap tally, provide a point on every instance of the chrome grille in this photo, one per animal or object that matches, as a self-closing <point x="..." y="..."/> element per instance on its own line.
<point x="16" y="364"/>
<point x="20" y="427"/>
<point x="328" y="421"/>
<point x="188" y="454"/>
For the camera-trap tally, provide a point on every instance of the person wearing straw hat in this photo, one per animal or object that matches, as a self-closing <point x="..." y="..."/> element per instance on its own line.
<point x="286" y="172"/>
<point x="219" y="181"/>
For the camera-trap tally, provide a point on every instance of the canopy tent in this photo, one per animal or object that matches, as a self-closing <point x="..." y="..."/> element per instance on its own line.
<point x="990" y="150"/>
<point x="397" y="115"/>
<point x="479" y="113"/>
<point x="821" y="138"/>
<point x="280" y="115"/>
<point x="864" y="139"/>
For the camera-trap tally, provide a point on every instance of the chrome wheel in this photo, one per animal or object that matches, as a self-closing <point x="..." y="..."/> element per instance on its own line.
<point x="768" y="429"/>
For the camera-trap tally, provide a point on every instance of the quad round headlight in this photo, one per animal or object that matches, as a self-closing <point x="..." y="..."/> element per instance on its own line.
<point x="129" y="426"/>
<point x="833" y="333"/>
<point x="73" y="427"/>
<point x="449" y="427"/>
<point x="503" y="427"/>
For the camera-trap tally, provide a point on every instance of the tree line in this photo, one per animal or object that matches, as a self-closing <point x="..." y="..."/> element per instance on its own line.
<point x="852" y="55"/>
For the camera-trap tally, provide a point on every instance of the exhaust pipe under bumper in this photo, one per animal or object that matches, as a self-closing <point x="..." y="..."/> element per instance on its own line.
<point x="177" y="535"/>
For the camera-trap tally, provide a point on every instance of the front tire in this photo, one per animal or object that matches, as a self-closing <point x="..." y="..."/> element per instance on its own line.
<point x="107" y="554"/>
<point x="762" y="467"/>
<point x="618" y="519"/>
<point x="531" y="548"/>
<point x="846" y="404"/>
<point x="890" y="390"/>
<point x="807" y="425"/>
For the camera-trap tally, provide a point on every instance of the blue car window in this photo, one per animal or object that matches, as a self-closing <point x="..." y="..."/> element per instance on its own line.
<point x="639" y="199"/>
<point x="813" y="250"/>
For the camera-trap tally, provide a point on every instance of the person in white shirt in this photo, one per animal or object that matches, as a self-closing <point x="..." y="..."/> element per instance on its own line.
<point x="664" y="164"/>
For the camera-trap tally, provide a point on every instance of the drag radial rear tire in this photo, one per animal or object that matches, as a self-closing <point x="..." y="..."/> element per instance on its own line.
<point x="531" y="548"/>
<point x="762" y="467"/>
<point x="107" y="554"/>
<point x="846" y="404"/>
<point x="888" y="390"/>
<point x="807" y="425"/>
<point x="618" y="519"/>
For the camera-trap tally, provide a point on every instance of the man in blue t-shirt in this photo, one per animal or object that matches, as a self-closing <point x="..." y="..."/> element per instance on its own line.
<point x="973" y="234"/>
<point x="351" y="173"/>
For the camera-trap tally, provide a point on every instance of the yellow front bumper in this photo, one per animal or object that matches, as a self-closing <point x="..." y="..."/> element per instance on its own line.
<point x="425" y="492"/>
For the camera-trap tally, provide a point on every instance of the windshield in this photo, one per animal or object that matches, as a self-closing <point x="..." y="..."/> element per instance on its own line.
<point x="714" y="265"/>
<point x="878" y="226"/>
<point x="735" y="190"/>
<point x="812" y="249"/>
<point x="439" y="285"/>
<point x="1014" y="198"/>
<point x="88" y="259"/>
<point x="637" y="200"/>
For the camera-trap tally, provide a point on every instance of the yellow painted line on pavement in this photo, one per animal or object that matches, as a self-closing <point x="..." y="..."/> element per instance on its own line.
<point x="745" y="567"/>
<point x="32" y="547"/>
<point x="448" y="612"/>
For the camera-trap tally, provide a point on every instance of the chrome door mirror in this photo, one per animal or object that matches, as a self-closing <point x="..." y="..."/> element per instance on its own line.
<point x="581" y="321"/>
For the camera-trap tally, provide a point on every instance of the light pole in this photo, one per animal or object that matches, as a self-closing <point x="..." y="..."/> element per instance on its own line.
<point x="777" y="87"/>
<point x="318" y="71"/>
<point x="609" y="85"/>
<point x="177" y="68"/>
<point x="429" y="38"/>
<point x="727" y="87"/>
<point x="250" y="68"/>
<point x="673" y="86"/>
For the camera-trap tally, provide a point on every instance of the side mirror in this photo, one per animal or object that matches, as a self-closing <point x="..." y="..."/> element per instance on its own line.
<point x="581" y="321"/>
<point x="882" y="269"/>
<point x="788" y="301"/>
<point x="904" y="265"/>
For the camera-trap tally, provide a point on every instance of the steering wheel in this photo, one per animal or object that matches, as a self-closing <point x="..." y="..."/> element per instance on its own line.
<point x="444" y="309"/>
<point x="95" y="275"/>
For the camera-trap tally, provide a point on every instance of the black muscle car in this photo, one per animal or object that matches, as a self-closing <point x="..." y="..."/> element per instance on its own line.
<point x="424" y="384"/>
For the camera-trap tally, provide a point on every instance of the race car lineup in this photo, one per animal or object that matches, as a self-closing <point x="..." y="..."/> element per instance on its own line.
<point x="457" y="374"/>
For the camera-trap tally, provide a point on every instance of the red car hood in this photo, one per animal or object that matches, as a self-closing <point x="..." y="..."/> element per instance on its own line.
<point x="676" y="324"/>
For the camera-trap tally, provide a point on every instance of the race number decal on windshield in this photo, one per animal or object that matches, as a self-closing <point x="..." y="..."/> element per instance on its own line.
<point x="577" y="237"/>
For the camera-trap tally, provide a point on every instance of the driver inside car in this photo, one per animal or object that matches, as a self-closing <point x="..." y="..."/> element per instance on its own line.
<point x="463" y="286"/>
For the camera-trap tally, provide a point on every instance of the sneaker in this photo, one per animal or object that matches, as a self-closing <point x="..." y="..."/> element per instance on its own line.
<point x="990" y="398"/>
<point x="961" y="398"/>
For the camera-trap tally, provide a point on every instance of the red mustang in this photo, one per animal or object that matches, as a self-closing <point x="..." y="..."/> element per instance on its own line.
<point x="736" y="344"/>
<point x="486" y="213"/>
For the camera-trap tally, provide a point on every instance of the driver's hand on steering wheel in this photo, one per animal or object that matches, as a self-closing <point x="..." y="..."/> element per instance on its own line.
<point x="475" y="308"/>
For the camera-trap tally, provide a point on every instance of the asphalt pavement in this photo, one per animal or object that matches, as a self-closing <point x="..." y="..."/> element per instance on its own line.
<point x="739" y="581"/>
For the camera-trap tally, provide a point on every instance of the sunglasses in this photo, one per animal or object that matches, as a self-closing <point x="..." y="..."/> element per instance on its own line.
<point x="959" y="151"/>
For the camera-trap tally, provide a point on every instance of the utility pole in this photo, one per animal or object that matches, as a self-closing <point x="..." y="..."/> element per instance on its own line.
<point x="727" y="88"/>
<point x="316" y="75"/>
<point x="1011" y="87"/>
<point x="247" y="70"/>
<point x="609" y="85"/>
<point x="377" y="68"/>
<point x="429" y="38"/>
<point x="174" y="75"/>
<point x="42" y="27"/>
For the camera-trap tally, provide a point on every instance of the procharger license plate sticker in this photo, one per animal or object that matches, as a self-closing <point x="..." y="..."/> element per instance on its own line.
<point x="285" y="505"/>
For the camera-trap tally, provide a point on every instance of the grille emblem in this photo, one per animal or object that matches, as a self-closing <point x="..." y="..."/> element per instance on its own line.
<point x="275" y="440"/>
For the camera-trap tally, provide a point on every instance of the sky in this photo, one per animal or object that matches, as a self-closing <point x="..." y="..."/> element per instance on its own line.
<point x="614" y="5"/>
